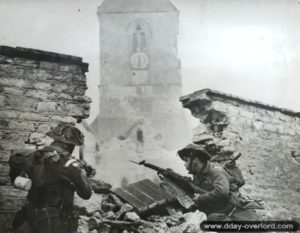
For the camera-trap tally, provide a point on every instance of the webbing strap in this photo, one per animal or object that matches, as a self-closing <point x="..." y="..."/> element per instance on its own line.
<point x="69" y="162"/>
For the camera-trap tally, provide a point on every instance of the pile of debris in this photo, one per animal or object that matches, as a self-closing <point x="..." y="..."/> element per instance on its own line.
<point x="107" y="211"/>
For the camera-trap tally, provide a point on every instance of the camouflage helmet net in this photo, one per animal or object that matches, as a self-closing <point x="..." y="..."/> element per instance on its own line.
<point x="66" y="133"/>
<point x="194" y="150"/>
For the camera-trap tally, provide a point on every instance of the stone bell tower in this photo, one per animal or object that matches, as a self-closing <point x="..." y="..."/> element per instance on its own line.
<point x="140" y="81"/>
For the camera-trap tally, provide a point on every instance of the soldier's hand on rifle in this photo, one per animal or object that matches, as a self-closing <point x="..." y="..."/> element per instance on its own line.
<point x="71" y="172"/>
<point x="198" y="198"/>
<point x="90" y="171"/>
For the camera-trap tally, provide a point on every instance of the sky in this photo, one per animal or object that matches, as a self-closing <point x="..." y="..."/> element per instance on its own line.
<point x="249" y="48"/>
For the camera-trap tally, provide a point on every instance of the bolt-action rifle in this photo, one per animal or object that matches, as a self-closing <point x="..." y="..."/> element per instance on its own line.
<point x="182" y="181"/>
<point x="231" y="163"/>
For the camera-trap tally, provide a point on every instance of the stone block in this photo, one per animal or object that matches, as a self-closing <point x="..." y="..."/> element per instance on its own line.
<point x="132" y="217"/>
<point x="75" y="69"/>
<point x="14" y="82"/>
<point x="59" y="96"/>
<point x="59" y="77"/>
<point x="33" y="116"/>
<point x="65" y="68"/>
<point x="258" y="125"/>
<point x="280" y="129"/>
<point x="77" y="109"/>
<point x="20" y="103"/>
<point x="61" y="87"/>
<point x="12" y="198"/>
<point x="38" y="94"/>
<point x="4" y="124"/>
<point x="42" y="86"/>
<point x="45" y="127"/>
<point x="65" y="119"/>
<point x="77" y="90"/>
<point x="49" y="65"/>
<point x="25" y="62"/>
<point x="4" y="168"/>
<point x="5" y="180"/>
<point x="81" y="98"/>
<point x="8" y="114"/>
<point x="23" y="125"/>
<point x="48" y="107"/>
<point x="219" y="106"/>
<point x="17" y="71"/>
<point x="4" y="156"/>
<point x="2" y="98"/>
<point x="289" y="131"/>
<point x="13" y="91"/>
<point x="269" y="127"/>
<point x="42" y="75"/>
<point x="10" y="135"/>
<point x="12" y="145"/>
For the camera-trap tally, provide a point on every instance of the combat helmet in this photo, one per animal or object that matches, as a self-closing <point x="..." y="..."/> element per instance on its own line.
<point x="194" y="150"/>
<point x="66" y="133"/>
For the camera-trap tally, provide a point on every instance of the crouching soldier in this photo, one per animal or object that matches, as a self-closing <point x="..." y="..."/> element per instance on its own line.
<point x="218" y="202"/>
<point x="55" y="176"/>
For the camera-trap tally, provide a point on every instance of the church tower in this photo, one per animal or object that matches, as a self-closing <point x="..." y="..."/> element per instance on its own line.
<point x="140" y="81"/>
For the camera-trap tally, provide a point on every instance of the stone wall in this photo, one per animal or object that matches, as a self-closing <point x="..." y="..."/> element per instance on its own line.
<point x="268" y="138"/>
<point x="38" y="90"/>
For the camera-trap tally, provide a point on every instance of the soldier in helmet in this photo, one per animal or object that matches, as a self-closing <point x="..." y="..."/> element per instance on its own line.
<point x="218" y="202"/>
<point x="55" y="176"/>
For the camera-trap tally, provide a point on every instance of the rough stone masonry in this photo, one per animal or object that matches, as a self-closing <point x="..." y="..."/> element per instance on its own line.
<point x="268" y="138"/>
<point x="38" y="90"/>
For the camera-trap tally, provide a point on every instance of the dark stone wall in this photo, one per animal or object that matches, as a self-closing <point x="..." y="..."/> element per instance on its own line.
<point x="38" y="90"/>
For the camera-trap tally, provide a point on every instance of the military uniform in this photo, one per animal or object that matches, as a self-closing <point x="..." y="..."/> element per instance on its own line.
<point x="219" y="202"/>
<point x="50" y="200"/>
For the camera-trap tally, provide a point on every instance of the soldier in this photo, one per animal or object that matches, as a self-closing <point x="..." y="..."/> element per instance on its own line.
<point x="55" y="176"/>
<point x="219" y="203"/>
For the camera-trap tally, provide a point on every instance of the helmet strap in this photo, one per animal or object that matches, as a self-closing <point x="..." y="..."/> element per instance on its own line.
<point x="191" y="162"/>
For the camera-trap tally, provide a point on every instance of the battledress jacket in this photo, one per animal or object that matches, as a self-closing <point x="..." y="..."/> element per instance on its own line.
<point x="216" y="182"/>
<point x="53" y="183"/>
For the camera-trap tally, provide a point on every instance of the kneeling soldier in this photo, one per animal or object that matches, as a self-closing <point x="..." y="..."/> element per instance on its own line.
<point x="219" y="203"/>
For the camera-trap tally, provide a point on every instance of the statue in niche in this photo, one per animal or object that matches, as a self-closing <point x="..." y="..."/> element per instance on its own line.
<point x="139" y="59"/>
<point x="139" y="40"/>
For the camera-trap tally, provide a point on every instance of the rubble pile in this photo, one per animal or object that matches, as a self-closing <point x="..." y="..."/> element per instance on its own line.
<point x="105" y="212"/>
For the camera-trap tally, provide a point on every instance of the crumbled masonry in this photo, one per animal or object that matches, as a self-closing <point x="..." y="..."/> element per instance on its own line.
<point x="109" y="213"/>
<point x="268" y="138"/>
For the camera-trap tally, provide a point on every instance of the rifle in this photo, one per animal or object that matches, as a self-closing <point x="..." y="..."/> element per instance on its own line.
<point x="182" y="181"/>
<point x="90" y="171"/>
<point x="231" y="163"/>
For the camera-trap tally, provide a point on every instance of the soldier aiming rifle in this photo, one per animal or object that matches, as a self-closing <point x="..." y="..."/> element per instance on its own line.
<point x="52" y="177"/>
<point x="209" y="186"/>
